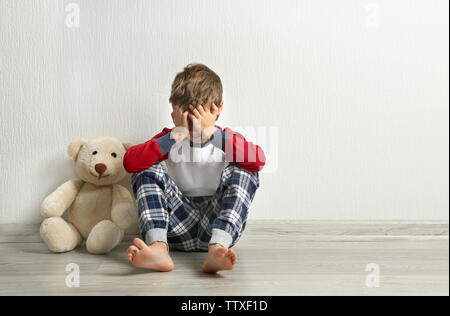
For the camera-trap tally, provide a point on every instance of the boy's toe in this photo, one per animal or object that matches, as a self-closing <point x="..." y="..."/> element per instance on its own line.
<point x="139" y="243"/>
<point x="131" y="252"/>
<point x="232" y="255"/>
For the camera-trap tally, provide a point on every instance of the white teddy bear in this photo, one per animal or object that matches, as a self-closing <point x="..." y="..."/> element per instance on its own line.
<point x="100" y="210"/>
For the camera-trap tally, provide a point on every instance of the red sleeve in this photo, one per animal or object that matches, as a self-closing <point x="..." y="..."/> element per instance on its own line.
<point x="141" y="157"/>
<point x="237" y="149"/>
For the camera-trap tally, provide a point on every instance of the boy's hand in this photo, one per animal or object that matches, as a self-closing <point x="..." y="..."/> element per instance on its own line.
<point x="180" y="119"/>
<point x="203" y="119"/>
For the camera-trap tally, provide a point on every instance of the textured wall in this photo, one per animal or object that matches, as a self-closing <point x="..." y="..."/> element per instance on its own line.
<point x="357" y="90"/>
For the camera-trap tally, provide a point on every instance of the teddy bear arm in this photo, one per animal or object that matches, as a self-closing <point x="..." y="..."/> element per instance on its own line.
<point x="123" y="212"/>
<point x="61" y="199"/>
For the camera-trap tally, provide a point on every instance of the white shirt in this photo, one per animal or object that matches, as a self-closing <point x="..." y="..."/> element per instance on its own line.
<point x="196" y="168"/>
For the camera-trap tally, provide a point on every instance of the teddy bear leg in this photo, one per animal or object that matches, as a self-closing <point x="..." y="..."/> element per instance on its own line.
<point x="59" y="235"/>
<point x="104" y="237"/>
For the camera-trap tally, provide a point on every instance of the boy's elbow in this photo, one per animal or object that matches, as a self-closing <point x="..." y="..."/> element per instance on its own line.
<point x="128" y="163"/>
<point x="261" y="166"/>
<point x="253" y="167"/>
<point x="256" y="165"/>
<point x="261" y="159"/>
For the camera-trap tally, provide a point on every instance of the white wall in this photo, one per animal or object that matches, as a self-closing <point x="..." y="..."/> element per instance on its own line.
<point x="358" y="91"/>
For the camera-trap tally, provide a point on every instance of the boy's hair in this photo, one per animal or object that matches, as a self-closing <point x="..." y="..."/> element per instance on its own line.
<point x="196" y="84"/>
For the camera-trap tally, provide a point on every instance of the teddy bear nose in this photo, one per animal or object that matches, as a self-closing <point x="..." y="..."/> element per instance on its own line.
<point x="100" y="168"/>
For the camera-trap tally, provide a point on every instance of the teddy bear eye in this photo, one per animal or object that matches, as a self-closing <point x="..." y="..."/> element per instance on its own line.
<point x="95" y="153"/>
<point x="114" y="155"/>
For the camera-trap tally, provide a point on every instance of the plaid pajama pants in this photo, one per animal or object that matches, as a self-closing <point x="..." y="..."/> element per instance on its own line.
<point x="192" y="223"/>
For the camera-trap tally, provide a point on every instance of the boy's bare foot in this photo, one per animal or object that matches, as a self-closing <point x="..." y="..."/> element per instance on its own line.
<point x="155" y="256"/>
<point x="219" y="259"/>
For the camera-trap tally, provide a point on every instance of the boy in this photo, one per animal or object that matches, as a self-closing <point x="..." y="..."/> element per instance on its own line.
<point x="199" y="200"/>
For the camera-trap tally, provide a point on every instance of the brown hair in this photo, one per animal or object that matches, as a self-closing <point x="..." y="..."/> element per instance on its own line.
<point x="196" y="84"/>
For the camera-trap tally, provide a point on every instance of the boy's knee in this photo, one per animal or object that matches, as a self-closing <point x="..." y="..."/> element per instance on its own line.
<point x="154" y="174"/>
<point x="157" y="170"/>
<point x="236" y="175"/>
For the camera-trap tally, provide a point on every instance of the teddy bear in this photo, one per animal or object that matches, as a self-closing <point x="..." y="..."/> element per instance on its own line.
<point x="100" y="209"/>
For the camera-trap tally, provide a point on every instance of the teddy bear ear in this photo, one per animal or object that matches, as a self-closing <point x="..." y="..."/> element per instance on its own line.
<point x="127" y="145"/>
<point x="75" y="147"/>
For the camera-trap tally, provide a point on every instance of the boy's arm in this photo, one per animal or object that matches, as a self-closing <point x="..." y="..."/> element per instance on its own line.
<point x="237" y="149"/>
<point x="141" y="157"/>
